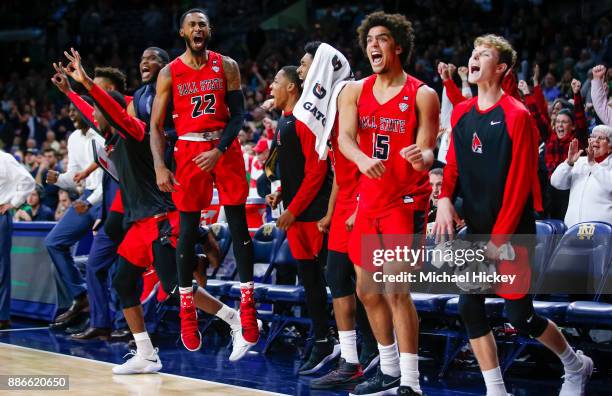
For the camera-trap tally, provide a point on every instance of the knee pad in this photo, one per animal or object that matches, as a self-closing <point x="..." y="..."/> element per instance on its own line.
<point x="340" y="274"/>
<point x="525" y="319"/>
<point x="128" y="292"/>
<point x="473" y="315"/>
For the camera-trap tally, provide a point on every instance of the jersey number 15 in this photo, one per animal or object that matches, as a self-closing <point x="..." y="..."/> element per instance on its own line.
<point x="198" y="101"/>
<point x="381" y="147"/>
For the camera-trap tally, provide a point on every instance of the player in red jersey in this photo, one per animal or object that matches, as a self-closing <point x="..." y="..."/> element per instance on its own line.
<point x="208" y="112"/>
<point x="494" y="143"/>
<point x="339" y="271"/>
<point x="388" y="127"/>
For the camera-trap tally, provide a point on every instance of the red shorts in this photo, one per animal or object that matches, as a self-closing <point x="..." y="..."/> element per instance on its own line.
<point x="305" y="240"/>
<point x="117" y="205"/>
<point x="338" y="234"/>
<point x="195" y="189"/>
<point x="392" y="228"/>
<point x="137" y="245"/>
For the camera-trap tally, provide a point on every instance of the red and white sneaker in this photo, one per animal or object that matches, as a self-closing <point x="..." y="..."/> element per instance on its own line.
<point x="190" y="334"/>
<point x="248" y="316"/>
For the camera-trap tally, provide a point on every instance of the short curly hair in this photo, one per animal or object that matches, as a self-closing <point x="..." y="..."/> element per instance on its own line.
<point x="114" y="75"/>
<point x="400" y="27"/>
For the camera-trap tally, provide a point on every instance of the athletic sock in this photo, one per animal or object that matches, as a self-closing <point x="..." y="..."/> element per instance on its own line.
<point x="571" y="361"/>
<point x="228" y="315"/>
<point x="389" y="359"/>
<point x="186" y="290"/>
<point x="144" y="347"/>
<point x="494" y="382"/>
<point x="348" y="346"/>
<point x="246" y="293"/>
<point x="409" y="367"/>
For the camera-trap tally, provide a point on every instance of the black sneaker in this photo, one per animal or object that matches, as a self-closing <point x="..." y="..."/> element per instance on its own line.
<point x="322" y="352"/>
<point x="379" y="384"/>
<point x="408" y="391"/>
<point x="345" y="376"/>
<point x="368" y="358"/>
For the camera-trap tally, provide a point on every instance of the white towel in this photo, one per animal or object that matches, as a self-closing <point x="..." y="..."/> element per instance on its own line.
<point x="317" y="106"/>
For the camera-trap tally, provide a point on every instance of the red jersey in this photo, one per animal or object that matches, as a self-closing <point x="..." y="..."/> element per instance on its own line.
<point x="347" y="173"/>
<point x="383" y="131"/>
<point x="199" y="96"/>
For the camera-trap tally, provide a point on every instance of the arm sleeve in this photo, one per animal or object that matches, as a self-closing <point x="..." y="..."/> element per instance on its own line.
<point x="86" y="110"/>
<point x="235" y="104"/>
<point x="21" y="182"/>
<point x="561" y="179"/>
<point x="582" y="134"/>
<point x="451" y="172"/>
<point x="315" y="171"/>
<point x="65" y="180"/>
<point x="96" y="195"/>
<point x="598" y="95"/>
<point x="453" y="92"/>
<point x="519" y="183"/>
<point x="120" y="119"/>
<point x="538" y="94"/>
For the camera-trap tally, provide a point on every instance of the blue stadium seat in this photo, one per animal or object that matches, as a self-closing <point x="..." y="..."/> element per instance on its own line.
<point x="594" y="313"/>
<point x="544" y="246"/>
<point x="266" y="242"/>
<point x="259" y="291"/>
<point x="223" y="237"/>
<point x="220" y="288"/>
<point x="494" y="306"/>
<point x="289" y="293"/>
<point x="580" y="260"/>
<point x="558" y="225"/>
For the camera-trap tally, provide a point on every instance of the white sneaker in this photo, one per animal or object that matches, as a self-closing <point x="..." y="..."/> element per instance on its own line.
<point x="240" y="346"/>
<point x="575" y="381"/>
<point x="138" y="364"/>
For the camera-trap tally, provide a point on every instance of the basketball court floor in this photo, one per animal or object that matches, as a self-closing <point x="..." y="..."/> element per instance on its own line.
<point x="30" y="348"/>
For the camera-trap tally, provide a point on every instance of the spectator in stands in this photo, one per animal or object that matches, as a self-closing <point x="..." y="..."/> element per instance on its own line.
<point x="31" y="161"/>
<point x="588" y="179"/>
<point x="15" y="185"/>
<point x="34" y="210"/>
<point x="262" y="150"/>
<point x="63" y="204"/>
<point x="599" y="95"/>
<point x="435" y="180"/>
<point x="48" y="162"/>
<point x="550" y="89"/>
<point x="51" y="141"/>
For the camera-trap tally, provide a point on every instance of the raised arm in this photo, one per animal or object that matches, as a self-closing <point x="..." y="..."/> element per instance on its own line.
<point x="348" y="125"/>
<point x="165" y="179"/>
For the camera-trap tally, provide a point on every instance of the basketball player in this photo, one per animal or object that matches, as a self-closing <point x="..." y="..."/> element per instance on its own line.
<point x="306" y="185"/>
<point x="395" y="118"/>
<point x="494" y="143"/>
<point x="339" y="270"/>
<point x="154" y="223"/>
<point x="208" y="112"/>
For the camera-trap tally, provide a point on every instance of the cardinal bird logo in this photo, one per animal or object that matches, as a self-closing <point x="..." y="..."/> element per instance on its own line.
<point x="476" y="144"/>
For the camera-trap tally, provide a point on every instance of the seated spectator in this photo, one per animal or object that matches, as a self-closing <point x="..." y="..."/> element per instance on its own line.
<point x="550" y="88"/>
<point x="51" y="141"/>
<point x="262" y="150"/>
<point x="435" y="180"/>
<point x="34" y="210"/>
<point x="588" y="179"/>
<point x="64" y="202"/>
<point x="49" y="161"/>
<point x="31" y="161"/>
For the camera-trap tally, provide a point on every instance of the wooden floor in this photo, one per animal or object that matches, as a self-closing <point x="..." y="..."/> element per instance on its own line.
<point x="91" y="377"/>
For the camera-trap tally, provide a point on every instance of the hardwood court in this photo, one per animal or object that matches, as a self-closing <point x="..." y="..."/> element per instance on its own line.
<point x="91" y="377"/>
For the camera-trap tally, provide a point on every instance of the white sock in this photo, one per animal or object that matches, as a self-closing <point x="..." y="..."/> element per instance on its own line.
<point x="228" y="315"/>
<point x="186" y="290"/>
<point x="248" y="285"/>
<point x="143" y="344"/>
<point x="571" y="361"/>
<point x="494" y="382"/>
<point x="348" y="346"/>
<point x="409" y="367"/>
<point x="389" y="359"/>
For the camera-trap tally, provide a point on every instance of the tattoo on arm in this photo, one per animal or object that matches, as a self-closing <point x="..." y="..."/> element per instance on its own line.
<point x="232" y="74"/>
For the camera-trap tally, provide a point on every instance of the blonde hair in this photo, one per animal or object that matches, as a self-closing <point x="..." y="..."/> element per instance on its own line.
<point x="507" y="54"/>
